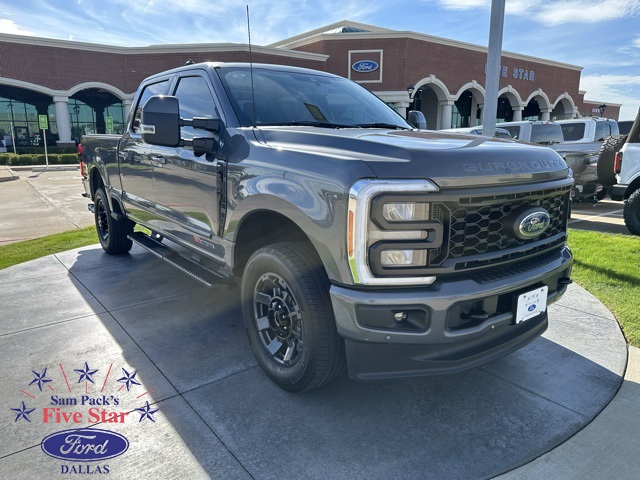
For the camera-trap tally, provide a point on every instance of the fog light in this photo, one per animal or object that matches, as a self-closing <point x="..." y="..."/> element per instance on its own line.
<point x="400" y="317"/>
<point x="403" y="258"/>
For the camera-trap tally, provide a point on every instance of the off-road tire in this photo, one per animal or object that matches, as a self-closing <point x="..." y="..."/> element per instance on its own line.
<point x="631" y="213"/>
<point x="606" y="159"/>
<point x="112" y="233"/>
<point x="289" y="318"/>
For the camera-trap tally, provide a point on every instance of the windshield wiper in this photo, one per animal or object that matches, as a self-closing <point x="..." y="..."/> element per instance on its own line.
<point x="307" y="123"/>
<point x="391" y="126"/>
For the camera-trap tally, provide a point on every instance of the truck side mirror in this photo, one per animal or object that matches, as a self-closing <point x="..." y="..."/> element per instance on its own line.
<point x="161" y="121"/>
<point x="416" y="118"/>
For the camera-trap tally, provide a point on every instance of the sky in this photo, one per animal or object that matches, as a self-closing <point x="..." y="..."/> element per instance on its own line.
<point x="603" y="36"/>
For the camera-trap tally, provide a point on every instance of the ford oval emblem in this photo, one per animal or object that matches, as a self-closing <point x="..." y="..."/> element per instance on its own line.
<point x="84" y="445"/>
<point x="365" y="66"/>
<point x="533" y="223"/>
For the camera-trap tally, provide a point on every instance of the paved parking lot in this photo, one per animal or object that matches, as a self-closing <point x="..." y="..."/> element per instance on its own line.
<point x="41" y="202"/>
<point x="604" y="216"/>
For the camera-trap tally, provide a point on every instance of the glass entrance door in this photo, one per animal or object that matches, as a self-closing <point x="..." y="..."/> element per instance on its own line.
<point x="22" y="136"/>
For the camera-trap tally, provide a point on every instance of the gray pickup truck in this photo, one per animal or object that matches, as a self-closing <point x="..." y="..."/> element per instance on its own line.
<point x="357" y="241"/>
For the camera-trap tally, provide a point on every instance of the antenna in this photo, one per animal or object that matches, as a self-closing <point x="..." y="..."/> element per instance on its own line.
<point x="253" y="96"/>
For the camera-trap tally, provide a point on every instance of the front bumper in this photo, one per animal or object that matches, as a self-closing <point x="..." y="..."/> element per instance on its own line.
<point x="449" y="326"/>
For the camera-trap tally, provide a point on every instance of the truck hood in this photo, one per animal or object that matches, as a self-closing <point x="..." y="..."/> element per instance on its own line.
<point x="450" y="160"/>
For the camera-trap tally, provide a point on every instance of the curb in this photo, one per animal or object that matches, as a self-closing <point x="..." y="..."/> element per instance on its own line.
<point x="6" y="175"/>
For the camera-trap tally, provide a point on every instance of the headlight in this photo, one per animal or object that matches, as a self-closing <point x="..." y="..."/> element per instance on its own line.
<point x="405" y="211"/>
<point x="389" y="229"/>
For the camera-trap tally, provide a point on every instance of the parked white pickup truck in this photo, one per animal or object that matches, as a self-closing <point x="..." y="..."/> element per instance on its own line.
<point x="627" y="170"/>
<point x="598" y="136"/>
<point x="581" y="157"/>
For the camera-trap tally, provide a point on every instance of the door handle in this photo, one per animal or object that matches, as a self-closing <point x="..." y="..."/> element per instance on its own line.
<point x="158" y="161"/>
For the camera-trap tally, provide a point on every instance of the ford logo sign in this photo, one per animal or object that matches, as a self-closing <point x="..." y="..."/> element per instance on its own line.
<point x="84" y="445"/>
<point x="532" y="223"/>
<point x="365" y="66"/>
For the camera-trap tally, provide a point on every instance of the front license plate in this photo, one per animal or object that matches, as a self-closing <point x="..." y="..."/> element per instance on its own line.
<point x="531" y="304"/>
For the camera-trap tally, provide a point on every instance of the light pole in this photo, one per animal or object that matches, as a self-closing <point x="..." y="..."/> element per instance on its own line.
<point x="601" y="109"/>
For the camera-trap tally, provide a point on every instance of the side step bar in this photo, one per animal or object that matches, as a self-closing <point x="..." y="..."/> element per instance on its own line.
<point x="182" y="262"/>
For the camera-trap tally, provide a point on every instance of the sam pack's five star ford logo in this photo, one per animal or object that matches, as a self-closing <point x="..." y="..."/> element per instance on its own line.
<point x="99" y="397"/>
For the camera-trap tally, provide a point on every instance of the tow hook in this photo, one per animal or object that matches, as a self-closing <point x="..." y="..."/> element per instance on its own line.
<point x="565" y="281"/>
<point x="90" y="207"/>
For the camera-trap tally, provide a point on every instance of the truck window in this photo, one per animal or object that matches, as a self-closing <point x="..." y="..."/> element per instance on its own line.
<point x="195" y="101"/>
<point x="572" y="131"/>
<point x="604" y="130"/>
<point x="546" y="133"/>
<point x="298" y="98"/>
<point x="148" y="92"/>
<point x="514" y="131"/>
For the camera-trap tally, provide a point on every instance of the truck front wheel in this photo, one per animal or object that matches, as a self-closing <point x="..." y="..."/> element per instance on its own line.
<point x="631" y="213"/>
<point x="112" y="233"/>
<point x="288" y="317"/>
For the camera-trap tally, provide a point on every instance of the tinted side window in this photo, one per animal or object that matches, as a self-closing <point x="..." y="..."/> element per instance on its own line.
<point x="148" y="92"/>
<point x="513" y="130"/>
<point x="546" y="133"/>
<point x="195" y="101"/>
<point x="603" y="130"/>
<point x="572" y="131"/>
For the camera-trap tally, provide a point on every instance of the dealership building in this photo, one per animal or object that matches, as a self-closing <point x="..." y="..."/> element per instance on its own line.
<point x="88" y="88"/>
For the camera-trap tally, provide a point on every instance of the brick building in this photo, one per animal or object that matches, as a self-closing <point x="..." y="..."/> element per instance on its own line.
<point x="89" y="87"/>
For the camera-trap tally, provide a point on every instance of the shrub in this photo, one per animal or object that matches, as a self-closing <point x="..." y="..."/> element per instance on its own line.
<point x="38" y="159"/>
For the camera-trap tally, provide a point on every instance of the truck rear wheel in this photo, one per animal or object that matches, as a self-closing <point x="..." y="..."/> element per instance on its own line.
<point x="288" y="317"/>
<point x="631" y="213"/>
<point x="606" y="159"/>
<point x="112" y="233"/>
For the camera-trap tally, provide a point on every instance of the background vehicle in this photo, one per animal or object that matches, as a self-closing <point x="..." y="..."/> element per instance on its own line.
<point x="355" y="238"/>
<point x="586" y="146"/>
<point x="500" y="132"/>
<point x="543" y="133"/>
<point x="624" y="126"/>
<point x="627" y="170"/>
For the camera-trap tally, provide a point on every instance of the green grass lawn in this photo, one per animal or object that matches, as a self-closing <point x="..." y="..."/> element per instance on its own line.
<point x="19" y="252"/>
<point x="607" y="265"/>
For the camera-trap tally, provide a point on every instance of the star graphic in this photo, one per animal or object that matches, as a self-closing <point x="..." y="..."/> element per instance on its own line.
<point x="40" y="378"/>
<point x="23" y="412"/>
<point x="86" y="373"/>
<point x="129" y="379"/>
<point x="146" y="412"/>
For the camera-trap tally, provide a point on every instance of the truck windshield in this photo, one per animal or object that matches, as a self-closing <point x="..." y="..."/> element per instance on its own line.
<point x="546" y="133"/>
<point x="288" y="97"/>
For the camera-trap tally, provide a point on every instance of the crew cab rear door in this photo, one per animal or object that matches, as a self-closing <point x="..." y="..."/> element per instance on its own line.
<point x="135" y="158"/>
<point x="186" y="184"/>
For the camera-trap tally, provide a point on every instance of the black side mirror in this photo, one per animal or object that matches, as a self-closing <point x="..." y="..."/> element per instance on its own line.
<point x="416" y="118"/>
<point x="161" y="121"/>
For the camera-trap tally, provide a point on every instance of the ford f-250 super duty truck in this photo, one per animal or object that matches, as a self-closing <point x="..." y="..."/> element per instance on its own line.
<point x="357" y="240"/>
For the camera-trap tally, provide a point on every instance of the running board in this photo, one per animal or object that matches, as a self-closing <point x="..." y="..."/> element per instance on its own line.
<point x="180" y="261"/>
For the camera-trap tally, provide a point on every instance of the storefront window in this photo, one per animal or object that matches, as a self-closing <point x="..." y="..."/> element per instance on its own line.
<point x="82" y="118"/>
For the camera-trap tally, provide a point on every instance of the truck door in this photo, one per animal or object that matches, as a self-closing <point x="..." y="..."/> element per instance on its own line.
<point x="135" y="160"/>
<point x="186" y="185"/>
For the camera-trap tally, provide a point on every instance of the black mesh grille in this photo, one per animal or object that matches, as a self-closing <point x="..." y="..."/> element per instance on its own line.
<point x="480" y="229"/>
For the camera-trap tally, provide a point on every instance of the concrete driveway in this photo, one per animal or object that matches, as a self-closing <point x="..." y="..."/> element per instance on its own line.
<point x="142" y="337"/>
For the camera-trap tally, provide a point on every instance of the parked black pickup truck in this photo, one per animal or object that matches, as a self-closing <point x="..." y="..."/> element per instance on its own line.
<point x="356" y="239"/>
